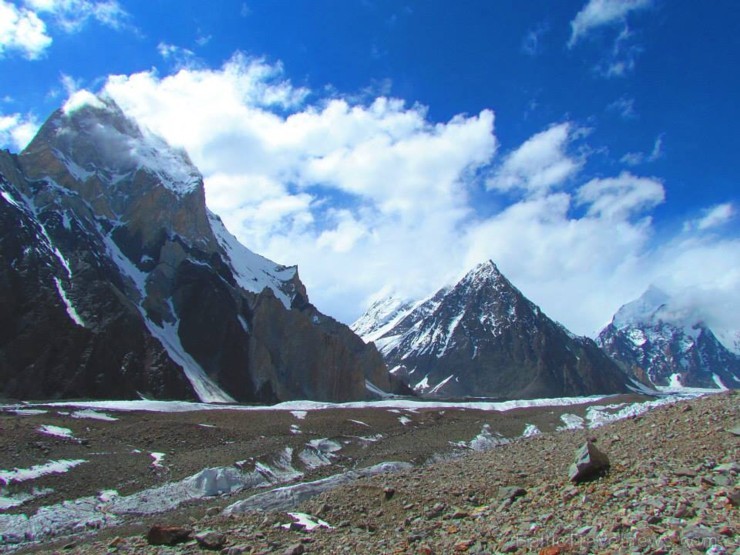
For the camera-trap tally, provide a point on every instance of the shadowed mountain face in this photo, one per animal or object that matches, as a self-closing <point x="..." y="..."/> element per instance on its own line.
<point x="483" y="338"/>
<point x="654" y="339"/>
<point x="116" y="281"/>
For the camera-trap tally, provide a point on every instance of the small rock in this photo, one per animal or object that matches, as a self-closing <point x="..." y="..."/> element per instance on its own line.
<point x="510" y="493"/>
<point x="167" y="535"/>
<point x="463" y="545"/>
<point x="210" y="539"/>
<point x="589" y="463"/>
<point x="295" y="549"/>
<point x="458" y="514"/>
<point x="734" y="498"/>
<point x="735" y="430"/>
<point x="389" y="493"/>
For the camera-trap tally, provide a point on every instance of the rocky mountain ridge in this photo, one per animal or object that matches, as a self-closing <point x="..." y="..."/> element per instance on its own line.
<point x="655" y="339"/>
<point x="116" y="281"/>
<point x="482" y="337"/>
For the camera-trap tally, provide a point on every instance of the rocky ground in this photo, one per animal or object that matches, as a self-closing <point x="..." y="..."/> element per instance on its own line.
<point x="672" y="486"/>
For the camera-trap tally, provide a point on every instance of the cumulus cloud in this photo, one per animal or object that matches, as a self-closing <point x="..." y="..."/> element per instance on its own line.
<point x="23" y="31"/>
<point x="16" y="130"/>
<point x="618" y="198"/>
<point x="23" y="28"/>
<point x="539" y="164"/>
<point x="72" y="15"/>
<point x="371" y="196"/>
<point x="712" y="217"/>
<point x="601" y="13"/>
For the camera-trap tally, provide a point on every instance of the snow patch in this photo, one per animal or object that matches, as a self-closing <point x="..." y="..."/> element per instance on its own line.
<point x="308" y="522"/>
<point x="158" y="458"/>
<point x="719" y="382"/>
<point x="18" y="499"/>
<point x="36" y="471"/>
<point x="71" y="311"/>
<point x="287" y="497"/>
<point x="571" y="422"/>
<point x="389" y="404"/>
<point x="93" y="415"/>
<point x="56" y="431"/>
<point x="530" y="430"/>
<point x="359" y="422"/>
<point x="299" y="414"/>
<point x="404" y="420"/>
<point x="252" y="271"/>
<point x="486" y="440"/>
<point x="440" y="385"/>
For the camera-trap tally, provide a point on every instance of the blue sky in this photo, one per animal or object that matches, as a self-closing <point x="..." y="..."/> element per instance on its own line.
<point x="588" y="146"/>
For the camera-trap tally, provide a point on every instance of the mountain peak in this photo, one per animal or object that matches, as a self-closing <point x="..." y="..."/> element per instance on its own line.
<point x="666" y="340"/>
<point x="483" y="337"/>
<point x="92" y="137"/>
<point x="642" y="310"/>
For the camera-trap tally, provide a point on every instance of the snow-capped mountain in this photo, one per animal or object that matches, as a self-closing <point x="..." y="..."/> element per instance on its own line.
<point x="655" y="339"/>
<point x="116" y="281"/>
<point x="483" y="338"/>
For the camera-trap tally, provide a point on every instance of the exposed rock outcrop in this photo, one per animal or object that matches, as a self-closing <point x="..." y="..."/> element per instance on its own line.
<point x="116" y="281"/>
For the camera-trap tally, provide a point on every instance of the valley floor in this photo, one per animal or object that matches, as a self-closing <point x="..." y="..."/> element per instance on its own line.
<point x="480" y="481"/>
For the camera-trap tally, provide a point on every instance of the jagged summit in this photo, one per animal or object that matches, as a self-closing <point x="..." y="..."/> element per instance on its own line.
<point x="657" y="339"/>
<point x="142" y="289"/>
<point x="483" y="337"/>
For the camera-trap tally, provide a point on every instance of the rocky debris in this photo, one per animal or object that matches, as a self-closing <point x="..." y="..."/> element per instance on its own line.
<point x="642" y="505"/>
<point x="161" y="534"/>
<point x="210" y="540"/>
<point x="589" y="463"/>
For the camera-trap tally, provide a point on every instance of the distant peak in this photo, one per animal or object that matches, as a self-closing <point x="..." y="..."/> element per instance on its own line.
<point x="642" y="310"/>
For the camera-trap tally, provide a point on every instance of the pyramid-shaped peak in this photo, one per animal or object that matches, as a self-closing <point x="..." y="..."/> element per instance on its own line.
<point x="484" y="273"/>
<point x="92" y="135"/>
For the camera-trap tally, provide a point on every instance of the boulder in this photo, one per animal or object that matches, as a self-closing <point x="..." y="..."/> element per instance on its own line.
<point x="589" y="463"/>
<point x="160" y="534"/>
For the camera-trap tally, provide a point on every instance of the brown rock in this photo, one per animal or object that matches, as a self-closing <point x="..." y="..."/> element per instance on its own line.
<point x="210" y="539"/>
<point x="589" y="463"/>
<point x="295" y="549"/>
<point x="160" y="534"/>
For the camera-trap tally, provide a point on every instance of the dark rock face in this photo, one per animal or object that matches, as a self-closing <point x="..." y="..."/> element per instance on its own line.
<point x="116" y="281"/>
<point x="668" y="346"/>
<point x="483" y="338"/>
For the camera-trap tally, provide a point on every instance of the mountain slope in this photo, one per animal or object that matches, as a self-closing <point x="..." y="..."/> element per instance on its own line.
<point x="116" y="281"/>
<point x="483" y="338"/>
<point x="653" y="338"/>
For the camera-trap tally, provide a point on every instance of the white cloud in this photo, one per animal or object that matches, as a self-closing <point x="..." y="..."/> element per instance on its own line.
<point x="374" y="196"/>
<point x="181" y="57"/>
<point x="600" y="13"/>
<point x="16" y="131"/>
<point x="72" y="15"/>
<point x="539" y="164"/>
<point x="637" y="158"/>
<point x="21" y="30"/>
<point x="620" y="197"/>
<point x="624" y="106"/>
<point x="712" y="217"/>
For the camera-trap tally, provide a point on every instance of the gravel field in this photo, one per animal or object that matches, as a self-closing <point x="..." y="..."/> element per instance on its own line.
<point x="672" y="486"/>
